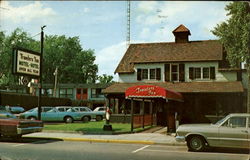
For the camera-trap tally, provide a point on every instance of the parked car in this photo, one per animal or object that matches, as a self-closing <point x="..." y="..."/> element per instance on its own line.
<point x="16" y="109"/>
<point x="63" y="108"/>
<point x="85" y="112"/>
<point x="100" y="113"/>
<point x="10" y="126"/>
<point x="97" y="115"/>
<point x="233" y="131"/>
<point x="52" y="115"/>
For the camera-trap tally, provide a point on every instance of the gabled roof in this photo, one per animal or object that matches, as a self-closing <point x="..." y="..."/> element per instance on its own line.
<point x="181" y="28"/>
<point x="185" y="87"/>
<point x="210" y="50"/>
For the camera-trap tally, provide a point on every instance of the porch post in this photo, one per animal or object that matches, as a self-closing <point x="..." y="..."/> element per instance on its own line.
<point x="132" y="114"/>
<point x="151" y="112"/>
<point x="143" y="112"/>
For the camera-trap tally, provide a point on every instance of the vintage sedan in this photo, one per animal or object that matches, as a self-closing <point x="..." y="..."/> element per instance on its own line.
<point x="52" y="115"/>
<point x="233" y="131"/>
<point x="10" y="126"/>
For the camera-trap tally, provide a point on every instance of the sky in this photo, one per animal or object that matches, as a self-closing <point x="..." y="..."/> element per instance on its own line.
<point x="102" y="25"/>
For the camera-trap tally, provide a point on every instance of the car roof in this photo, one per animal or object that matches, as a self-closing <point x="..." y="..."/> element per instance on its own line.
<point x="240" y="114"/>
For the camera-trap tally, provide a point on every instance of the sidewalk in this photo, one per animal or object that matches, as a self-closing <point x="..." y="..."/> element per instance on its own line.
<point x="135" y="138"/>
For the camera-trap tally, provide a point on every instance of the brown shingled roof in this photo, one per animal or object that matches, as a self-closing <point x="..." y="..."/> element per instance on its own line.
<point x="210" y="50"/>
<point x="181" y="28"/>
<point x="186" y="87"/>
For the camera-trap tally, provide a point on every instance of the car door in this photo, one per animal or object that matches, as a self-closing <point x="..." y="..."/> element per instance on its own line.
<point x="51" y="115"/>
<point x="234" y="133"/>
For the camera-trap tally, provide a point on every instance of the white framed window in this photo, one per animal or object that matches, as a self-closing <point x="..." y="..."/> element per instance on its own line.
<point x="144" y="73"/>
<point x="174" y="72"/>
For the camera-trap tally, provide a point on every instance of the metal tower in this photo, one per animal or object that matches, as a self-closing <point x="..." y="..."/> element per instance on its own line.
<point x="128" y="23"/>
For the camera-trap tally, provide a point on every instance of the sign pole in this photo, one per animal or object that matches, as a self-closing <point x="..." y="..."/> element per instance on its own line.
<point x="41" y="75"/>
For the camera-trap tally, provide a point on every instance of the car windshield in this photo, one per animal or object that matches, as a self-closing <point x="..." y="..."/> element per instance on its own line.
<point x="220" y="121"/>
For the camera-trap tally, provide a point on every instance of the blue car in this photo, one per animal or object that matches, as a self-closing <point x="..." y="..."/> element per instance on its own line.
<point x="51" y="114"/>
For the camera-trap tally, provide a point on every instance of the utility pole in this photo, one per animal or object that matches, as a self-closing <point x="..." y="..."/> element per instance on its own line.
<point x="55" y="74"/>
<point x="41" y="74"/>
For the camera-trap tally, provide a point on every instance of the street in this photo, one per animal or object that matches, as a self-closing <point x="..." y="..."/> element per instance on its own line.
<point x="52" y="149"/>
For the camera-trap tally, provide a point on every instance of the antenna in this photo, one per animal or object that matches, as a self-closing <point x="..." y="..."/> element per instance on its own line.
<point x="128" y="23"/>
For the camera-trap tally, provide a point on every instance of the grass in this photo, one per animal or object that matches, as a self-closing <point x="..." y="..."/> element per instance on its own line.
<point x="91" y="128"/>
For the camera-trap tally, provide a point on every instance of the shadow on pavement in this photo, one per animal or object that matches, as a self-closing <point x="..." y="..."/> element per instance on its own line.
<point x="229" y="150"/>
<point x="30" y="140"/>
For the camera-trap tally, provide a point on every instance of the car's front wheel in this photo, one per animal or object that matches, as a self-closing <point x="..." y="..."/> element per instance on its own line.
<point x="68" y="119"/>
<point x="196" y="144"/>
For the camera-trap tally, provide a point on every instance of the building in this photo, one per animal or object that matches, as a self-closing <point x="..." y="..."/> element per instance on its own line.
<point x="80" y="94"/>
<point x="198" y="70"/>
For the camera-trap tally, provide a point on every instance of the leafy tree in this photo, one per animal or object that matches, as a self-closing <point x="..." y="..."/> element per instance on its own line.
<point x="17" y="38"/>
<point x="235" y="36"/>
<point x="105" y="78"/>
<point x="75" y="65"/>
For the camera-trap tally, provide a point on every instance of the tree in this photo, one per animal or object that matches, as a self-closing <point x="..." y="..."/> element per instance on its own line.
<point x="75" y="65"/>
<point x="235" y="37"/>
<point x="17" y="38"/>
<point x="105" y="79"/>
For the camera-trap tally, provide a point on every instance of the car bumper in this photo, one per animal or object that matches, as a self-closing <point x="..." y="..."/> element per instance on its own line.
<point x="29" y="130"/>
<point x="180" y="138"/>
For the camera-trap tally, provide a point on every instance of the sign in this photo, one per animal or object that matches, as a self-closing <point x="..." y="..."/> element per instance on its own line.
<point x="151" y="91"/>
<point x="26" y="62"/>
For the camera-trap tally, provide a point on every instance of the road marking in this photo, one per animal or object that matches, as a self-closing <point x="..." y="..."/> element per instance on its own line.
<point x="140" y="149"/>
<point x="17" y="145"/>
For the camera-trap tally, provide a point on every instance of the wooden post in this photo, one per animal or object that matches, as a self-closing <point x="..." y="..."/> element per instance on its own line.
<point x="151" y="112"/>
<point x="143" y="112"/>
<point x="132" y="114"/>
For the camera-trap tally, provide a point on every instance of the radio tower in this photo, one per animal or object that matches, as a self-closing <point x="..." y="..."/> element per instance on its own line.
<point x="128" y="23"/>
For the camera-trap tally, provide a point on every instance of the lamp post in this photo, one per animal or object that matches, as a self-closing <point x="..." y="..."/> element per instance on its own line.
<point x="41" y="71"/>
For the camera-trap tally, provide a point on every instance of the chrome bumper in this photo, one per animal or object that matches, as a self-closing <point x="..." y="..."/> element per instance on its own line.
<point x="29" y="130"/>
<point x="180" y="138"/>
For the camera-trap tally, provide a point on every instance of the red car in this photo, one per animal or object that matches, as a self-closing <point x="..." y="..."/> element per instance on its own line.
<point x="11" y="126"/>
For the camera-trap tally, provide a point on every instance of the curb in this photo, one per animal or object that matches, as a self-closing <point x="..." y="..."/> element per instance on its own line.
<point x="108" y="141"/>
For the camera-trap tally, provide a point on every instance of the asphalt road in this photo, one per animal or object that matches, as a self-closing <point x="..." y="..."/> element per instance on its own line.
<point x="40" y="149"/>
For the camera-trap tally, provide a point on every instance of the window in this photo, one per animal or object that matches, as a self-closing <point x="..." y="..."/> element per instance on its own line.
<point x="66" y="93"/>
<point x="96" y="93"/>
<point x="152" y="73"/>
<point x="201" y="73"/>
<point x="197" y="73"/>
<point x="205" y="73"/>
<point x="144" y="73"/>
<point x="235" y="122"/>
<point x="174" y="72"/>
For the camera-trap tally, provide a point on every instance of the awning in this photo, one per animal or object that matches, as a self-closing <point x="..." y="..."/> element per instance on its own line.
<point x="151" y="91"/>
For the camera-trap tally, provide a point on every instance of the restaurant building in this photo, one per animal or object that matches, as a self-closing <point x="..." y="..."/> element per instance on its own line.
<point x="196" y="81"/>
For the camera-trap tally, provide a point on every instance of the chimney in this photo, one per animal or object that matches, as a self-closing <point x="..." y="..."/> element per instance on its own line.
<point x="181" y="34"/>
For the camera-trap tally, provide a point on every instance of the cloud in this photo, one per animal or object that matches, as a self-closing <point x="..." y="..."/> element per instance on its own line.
<point x="86" y="10"/>
<point x="199" y="17"/>
<point x="26" y="13"/>
<point x="108" y="58"/>
<point x="147" y="7"/>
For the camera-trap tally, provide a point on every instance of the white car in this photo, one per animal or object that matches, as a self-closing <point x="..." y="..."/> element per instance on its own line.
<point x="233" y="131"/>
